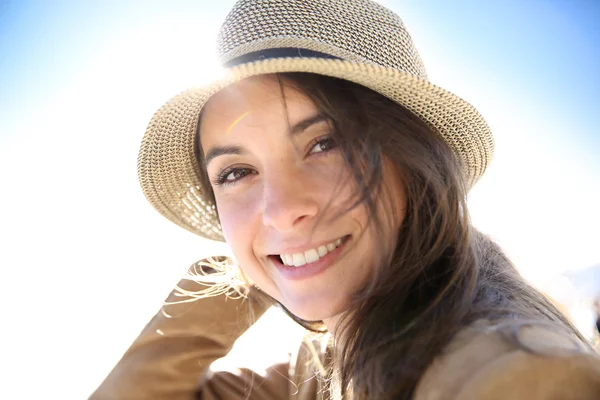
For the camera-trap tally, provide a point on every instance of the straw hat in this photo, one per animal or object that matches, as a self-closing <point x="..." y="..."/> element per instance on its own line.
<point x="356" y="40"/>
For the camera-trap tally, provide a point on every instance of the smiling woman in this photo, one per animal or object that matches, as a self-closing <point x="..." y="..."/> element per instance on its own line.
<point x="338" y="176"/>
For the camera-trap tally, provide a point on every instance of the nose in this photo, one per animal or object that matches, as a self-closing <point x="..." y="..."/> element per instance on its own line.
<point x="289" y="200"/>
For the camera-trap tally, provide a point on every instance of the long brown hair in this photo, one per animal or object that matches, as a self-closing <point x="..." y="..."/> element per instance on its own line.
<point x="442" y="274"/>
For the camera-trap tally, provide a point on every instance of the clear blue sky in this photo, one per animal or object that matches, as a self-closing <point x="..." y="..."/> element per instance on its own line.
<point x="549" y="49"/>
<point x="79" y="81"/>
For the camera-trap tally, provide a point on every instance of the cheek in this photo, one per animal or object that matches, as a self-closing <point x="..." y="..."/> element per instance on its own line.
<point x="241" y="226"/>
<point x="336" y="186"/>
<point x="235" y="217"/>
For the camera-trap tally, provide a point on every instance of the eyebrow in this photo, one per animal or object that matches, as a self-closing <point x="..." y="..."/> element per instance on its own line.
<point x="296" y="129"/>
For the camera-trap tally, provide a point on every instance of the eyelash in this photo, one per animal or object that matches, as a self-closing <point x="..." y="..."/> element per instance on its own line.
<point x="221" y="179"/>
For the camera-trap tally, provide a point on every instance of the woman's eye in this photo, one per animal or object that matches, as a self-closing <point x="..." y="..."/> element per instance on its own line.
<point x="323" y="144"/>
<point x="232" y="175"/>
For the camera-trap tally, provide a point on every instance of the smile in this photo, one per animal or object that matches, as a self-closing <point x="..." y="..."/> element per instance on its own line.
<point x="305" y="267"/>
<point x="309" y="256"/>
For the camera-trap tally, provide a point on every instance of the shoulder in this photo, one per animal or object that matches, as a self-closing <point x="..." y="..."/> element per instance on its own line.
<point x="485" y="362"/>
<point x="522" y="375"/>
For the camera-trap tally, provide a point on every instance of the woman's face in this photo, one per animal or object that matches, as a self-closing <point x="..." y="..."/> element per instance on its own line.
<point x="280" y="186"/>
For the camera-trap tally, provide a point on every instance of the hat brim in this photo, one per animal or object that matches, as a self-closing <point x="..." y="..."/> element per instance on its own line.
<point x="169" y="172"/>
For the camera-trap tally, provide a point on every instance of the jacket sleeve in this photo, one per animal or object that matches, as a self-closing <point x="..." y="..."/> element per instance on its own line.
<point x="523" y="375"/>
<point x="171" y="357"/>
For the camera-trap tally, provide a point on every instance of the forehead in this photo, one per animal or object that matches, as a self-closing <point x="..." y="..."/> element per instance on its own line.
<point x="251" y="104"/>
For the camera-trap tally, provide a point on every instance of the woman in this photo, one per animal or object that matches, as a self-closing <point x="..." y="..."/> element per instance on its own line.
<point x="338" y="175"/>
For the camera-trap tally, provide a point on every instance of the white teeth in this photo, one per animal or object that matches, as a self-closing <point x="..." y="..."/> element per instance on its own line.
<point x="322" y="250"/>
<point x="309" y="256"/>
<point x="299" y="259"/>
<point x="288" y="259"/>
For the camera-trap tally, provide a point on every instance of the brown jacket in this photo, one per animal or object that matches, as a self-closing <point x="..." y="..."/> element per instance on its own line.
<point x="171" y="359"/>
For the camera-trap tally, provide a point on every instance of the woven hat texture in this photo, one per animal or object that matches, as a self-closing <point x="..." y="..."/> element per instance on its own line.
<point x="356" y="40"/>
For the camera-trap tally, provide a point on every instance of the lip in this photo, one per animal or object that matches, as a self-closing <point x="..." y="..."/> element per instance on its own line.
<point x="311" y="269"/>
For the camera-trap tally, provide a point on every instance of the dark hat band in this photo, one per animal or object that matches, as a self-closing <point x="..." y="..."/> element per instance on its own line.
<point x="285" y="52"/>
